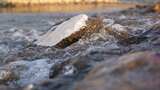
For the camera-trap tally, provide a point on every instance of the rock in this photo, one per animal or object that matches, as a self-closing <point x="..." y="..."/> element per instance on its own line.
<point x="123" y="35"/>
<point x="138" y="71"/>
<point x="79" y="65"/>
<point x="63" y="31"/>
<point x="71" y="67"/>
<point x="6" y="75"/>
<point x="119" y="33"/>
<point x="56" y="84"/>
<point x="70" y="31"/>
<point x="93" y="26"/>
<point x="30" y="72"/>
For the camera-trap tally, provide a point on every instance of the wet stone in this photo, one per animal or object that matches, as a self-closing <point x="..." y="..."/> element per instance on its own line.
<point x="63" y="31"/>
<point x="71" y="67"/>
<point x="56" y="84"/>
<point x="6" y="76"/>
<point x="28" y="72"/>
<point x="75" y="28"/>
<point x="138" y="71"/>
<point x="93" y="25"/>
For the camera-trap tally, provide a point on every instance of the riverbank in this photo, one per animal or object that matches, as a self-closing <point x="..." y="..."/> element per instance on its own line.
<point x="6" y="5"/>
<point x="101" y="7"/>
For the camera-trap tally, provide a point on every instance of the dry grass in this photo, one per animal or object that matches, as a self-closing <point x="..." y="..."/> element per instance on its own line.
<point x="157" y="7"/>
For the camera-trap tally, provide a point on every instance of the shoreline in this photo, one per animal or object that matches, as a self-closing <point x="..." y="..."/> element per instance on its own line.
<point x="67" y="7"/>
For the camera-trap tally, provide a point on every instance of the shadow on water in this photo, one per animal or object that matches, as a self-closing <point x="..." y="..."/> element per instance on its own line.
<point x="65" y="8"/>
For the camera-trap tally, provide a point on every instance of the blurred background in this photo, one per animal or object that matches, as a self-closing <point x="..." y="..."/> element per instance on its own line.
<point x="42" y="14"/>
<point x="67" y="5"/>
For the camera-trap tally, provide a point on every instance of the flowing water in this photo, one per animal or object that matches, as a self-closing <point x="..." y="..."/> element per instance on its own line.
<point x="32" y="64"/>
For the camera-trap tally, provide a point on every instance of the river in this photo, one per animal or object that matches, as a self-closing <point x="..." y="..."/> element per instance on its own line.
<point x="28" y="66"/>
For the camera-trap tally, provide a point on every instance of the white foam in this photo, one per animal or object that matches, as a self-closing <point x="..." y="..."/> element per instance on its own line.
<point x="119" y="27"/>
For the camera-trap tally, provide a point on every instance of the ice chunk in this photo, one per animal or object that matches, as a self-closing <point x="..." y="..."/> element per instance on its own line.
<point x="63" y="31"/>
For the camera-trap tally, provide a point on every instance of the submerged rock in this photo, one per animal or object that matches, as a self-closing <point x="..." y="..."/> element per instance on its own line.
<point x="120" y="32"/>
<point x="6" y="75"/>
<point x="29" y="72"/>
<point x="138" y="71"/>
<point x="72" y="67"/>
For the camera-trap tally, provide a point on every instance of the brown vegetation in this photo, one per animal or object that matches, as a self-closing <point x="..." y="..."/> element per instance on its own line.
<point x="31" y="2"/>
<point x="157" y="7"/>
